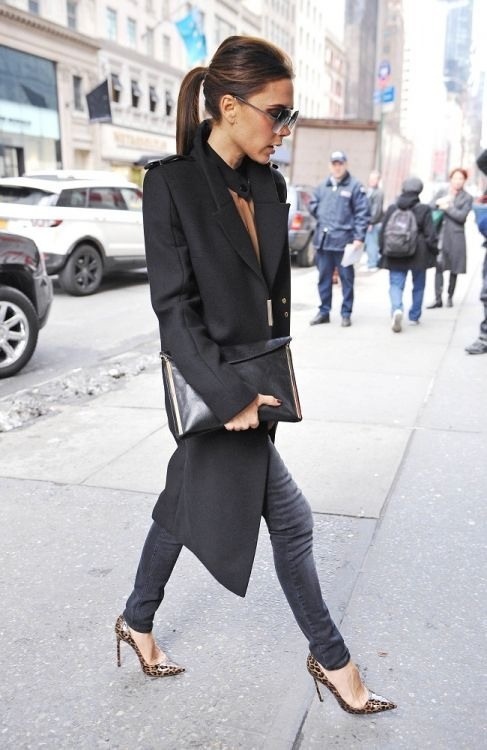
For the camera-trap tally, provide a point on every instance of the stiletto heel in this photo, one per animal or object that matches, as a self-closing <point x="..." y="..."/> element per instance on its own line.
<point x="374" y="704"/>
<point x="318" y="689"/>
<point x="165" y="668"/>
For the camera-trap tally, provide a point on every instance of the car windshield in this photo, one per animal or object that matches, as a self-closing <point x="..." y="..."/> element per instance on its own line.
<point x="27" y="195"/>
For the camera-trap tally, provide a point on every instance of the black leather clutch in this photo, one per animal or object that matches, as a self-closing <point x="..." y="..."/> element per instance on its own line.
<point x="266" y="366"/>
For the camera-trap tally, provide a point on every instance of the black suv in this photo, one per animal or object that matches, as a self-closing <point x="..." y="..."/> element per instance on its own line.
<point x="25" y="301"/>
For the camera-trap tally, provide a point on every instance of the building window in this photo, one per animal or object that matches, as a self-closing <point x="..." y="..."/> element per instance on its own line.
<point x="132" y="32"/>
<point x="153" y="98"/>
<point x="78" y="93"/>
<point x="116" y="88"/>
<point x="71" y="12"/>
<point x="166" y="48"/>
<point x="169" y="102"/>
<point x="136" y="93"/>
<point x="33" y="7"/>
<point x="112" y="24"/>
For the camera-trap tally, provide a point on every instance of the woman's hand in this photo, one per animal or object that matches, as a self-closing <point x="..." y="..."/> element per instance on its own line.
<point x="248" y="418"/>
<point x="443" y="203"/>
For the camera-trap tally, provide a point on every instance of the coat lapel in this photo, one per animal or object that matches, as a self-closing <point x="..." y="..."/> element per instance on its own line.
<point x="271" y="218"/>
<point x="226" y="214"/>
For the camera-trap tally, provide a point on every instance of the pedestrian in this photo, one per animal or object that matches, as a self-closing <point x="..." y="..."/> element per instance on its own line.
<point x="375" y="197"/>
<point x="479" y="346"/>
<point x="341" y="209"/>
<point x="455" y="203"/>
<point x="215" y="224"/>
<point x="423" y="257"/>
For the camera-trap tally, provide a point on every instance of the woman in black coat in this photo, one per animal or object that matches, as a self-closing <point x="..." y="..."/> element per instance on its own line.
<point x="218" y="260"/>
<point x="455" y="203"/>
<point x="423" y="258"/>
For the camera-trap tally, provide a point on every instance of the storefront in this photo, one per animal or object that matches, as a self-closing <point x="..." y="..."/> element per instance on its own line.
<point x="127" y="151"/>
<point x="29" y="119"/>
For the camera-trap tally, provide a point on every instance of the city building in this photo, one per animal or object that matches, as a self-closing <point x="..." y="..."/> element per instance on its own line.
<point x="45" y="69"/>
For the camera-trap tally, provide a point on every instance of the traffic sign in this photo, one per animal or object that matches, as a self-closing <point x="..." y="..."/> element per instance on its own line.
<point x="388" y="95"/>
<point x="385" y="96"/>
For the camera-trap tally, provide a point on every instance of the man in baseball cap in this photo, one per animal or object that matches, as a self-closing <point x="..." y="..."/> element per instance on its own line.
<point x="341" y="209"/>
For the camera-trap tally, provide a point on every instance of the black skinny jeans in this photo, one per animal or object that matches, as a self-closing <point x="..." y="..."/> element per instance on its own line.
<point x="290" y="523"/>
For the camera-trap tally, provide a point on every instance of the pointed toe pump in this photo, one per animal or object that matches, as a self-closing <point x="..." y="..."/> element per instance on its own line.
<point x="164" y="668"/>
<point x="374" y="705"/>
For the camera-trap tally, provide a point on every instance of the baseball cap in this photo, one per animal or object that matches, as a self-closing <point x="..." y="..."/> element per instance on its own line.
<point x="338" y="156"/>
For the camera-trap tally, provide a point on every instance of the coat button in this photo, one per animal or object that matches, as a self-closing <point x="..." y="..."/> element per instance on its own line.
<point x="284" y="300"/>
<point x="286" y="315"/>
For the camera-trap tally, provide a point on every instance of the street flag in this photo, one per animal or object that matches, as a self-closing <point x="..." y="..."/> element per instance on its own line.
<point x="191" y="29"/>
<point x="98" y="101"/>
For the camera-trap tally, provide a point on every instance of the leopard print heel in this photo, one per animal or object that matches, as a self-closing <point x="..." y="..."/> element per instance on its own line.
<point x="375" y="703"/>
<point x="163" y="669"/>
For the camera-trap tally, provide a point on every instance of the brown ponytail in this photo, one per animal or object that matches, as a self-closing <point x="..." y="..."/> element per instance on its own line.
<point x="242" y="65"/>
<point x="188" y="115"/>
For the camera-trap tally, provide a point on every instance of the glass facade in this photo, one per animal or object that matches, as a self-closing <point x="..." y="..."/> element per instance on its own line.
<point x="29" y="117"/>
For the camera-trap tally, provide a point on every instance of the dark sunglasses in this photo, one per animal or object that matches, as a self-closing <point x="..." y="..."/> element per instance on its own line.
<point x="285" y="118"/>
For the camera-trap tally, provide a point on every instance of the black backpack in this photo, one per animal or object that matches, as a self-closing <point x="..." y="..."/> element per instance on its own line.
<point x="400" y="234"/>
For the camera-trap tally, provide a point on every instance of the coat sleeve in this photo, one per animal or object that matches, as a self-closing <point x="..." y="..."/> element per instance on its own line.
<point x="361" y="212"/>
<point x="315" y="201"/>
<point x="178" y="306"/>
<point x="460" y="212"/>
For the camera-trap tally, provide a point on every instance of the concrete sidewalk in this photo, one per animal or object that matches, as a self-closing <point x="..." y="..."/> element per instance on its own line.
<point x="392" y="456"/>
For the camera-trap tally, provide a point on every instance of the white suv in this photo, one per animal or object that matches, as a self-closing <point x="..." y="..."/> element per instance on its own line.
<point x="84" y="223"/>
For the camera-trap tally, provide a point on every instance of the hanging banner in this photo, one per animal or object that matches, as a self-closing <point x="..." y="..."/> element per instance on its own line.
<point x="191" y="29"/>
<point x="98" y="101"/>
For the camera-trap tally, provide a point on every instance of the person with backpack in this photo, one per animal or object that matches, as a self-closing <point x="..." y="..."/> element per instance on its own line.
<point x="455" y="203"/>
<point x="408" y="242"/>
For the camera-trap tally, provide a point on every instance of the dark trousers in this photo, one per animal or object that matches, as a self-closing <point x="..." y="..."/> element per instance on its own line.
<point x="290" y="523"/>
<point x="327" y="260"/>
<point x="452" y="281"/>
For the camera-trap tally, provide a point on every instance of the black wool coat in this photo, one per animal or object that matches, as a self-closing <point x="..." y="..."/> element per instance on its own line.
<point x="208" y="290"/>
<point x="427" y="243"/>
<point x="452" y="233"/>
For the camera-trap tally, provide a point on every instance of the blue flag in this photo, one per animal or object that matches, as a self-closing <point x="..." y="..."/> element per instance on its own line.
<point x="191" y="29"/>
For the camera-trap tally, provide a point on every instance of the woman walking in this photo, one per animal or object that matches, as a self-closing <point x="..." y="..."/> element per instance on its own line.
<point x="423" y="258"/>
<point x="455" y="203"/>
<point x="215" y="225"/>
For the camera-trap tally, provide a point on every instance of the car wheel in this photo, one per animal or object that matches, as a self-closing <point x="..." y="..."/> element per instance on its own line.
<point x="19" y="329"/>
<point x="306" y="256"/>
<point x="83" y="271"/>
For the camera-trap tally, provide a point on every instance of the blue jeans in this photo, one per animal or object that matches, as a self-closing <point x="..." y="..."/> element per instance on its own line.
<point x="397" y="282"/>
<point x="372" y="245"/>
<point x="327" y="260"/>
<point x="290" y="523"/>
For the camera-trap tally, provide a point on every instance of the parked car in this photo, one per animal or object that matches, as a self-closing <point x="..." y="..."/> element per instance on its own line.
<point x="301" y="225"/>
<point x="85" y="224"/>
<point x="25" y="301"/>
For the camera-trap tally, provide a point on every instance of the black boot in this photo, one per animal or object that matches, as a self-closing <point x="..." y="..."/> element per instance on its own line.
<point x="436" y="303"/>
<point x="451" y="289"/>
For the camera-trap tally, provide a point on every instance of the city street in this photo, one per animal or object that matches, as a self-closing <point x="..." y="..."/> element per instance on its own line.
<point x="391" y="455"/>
